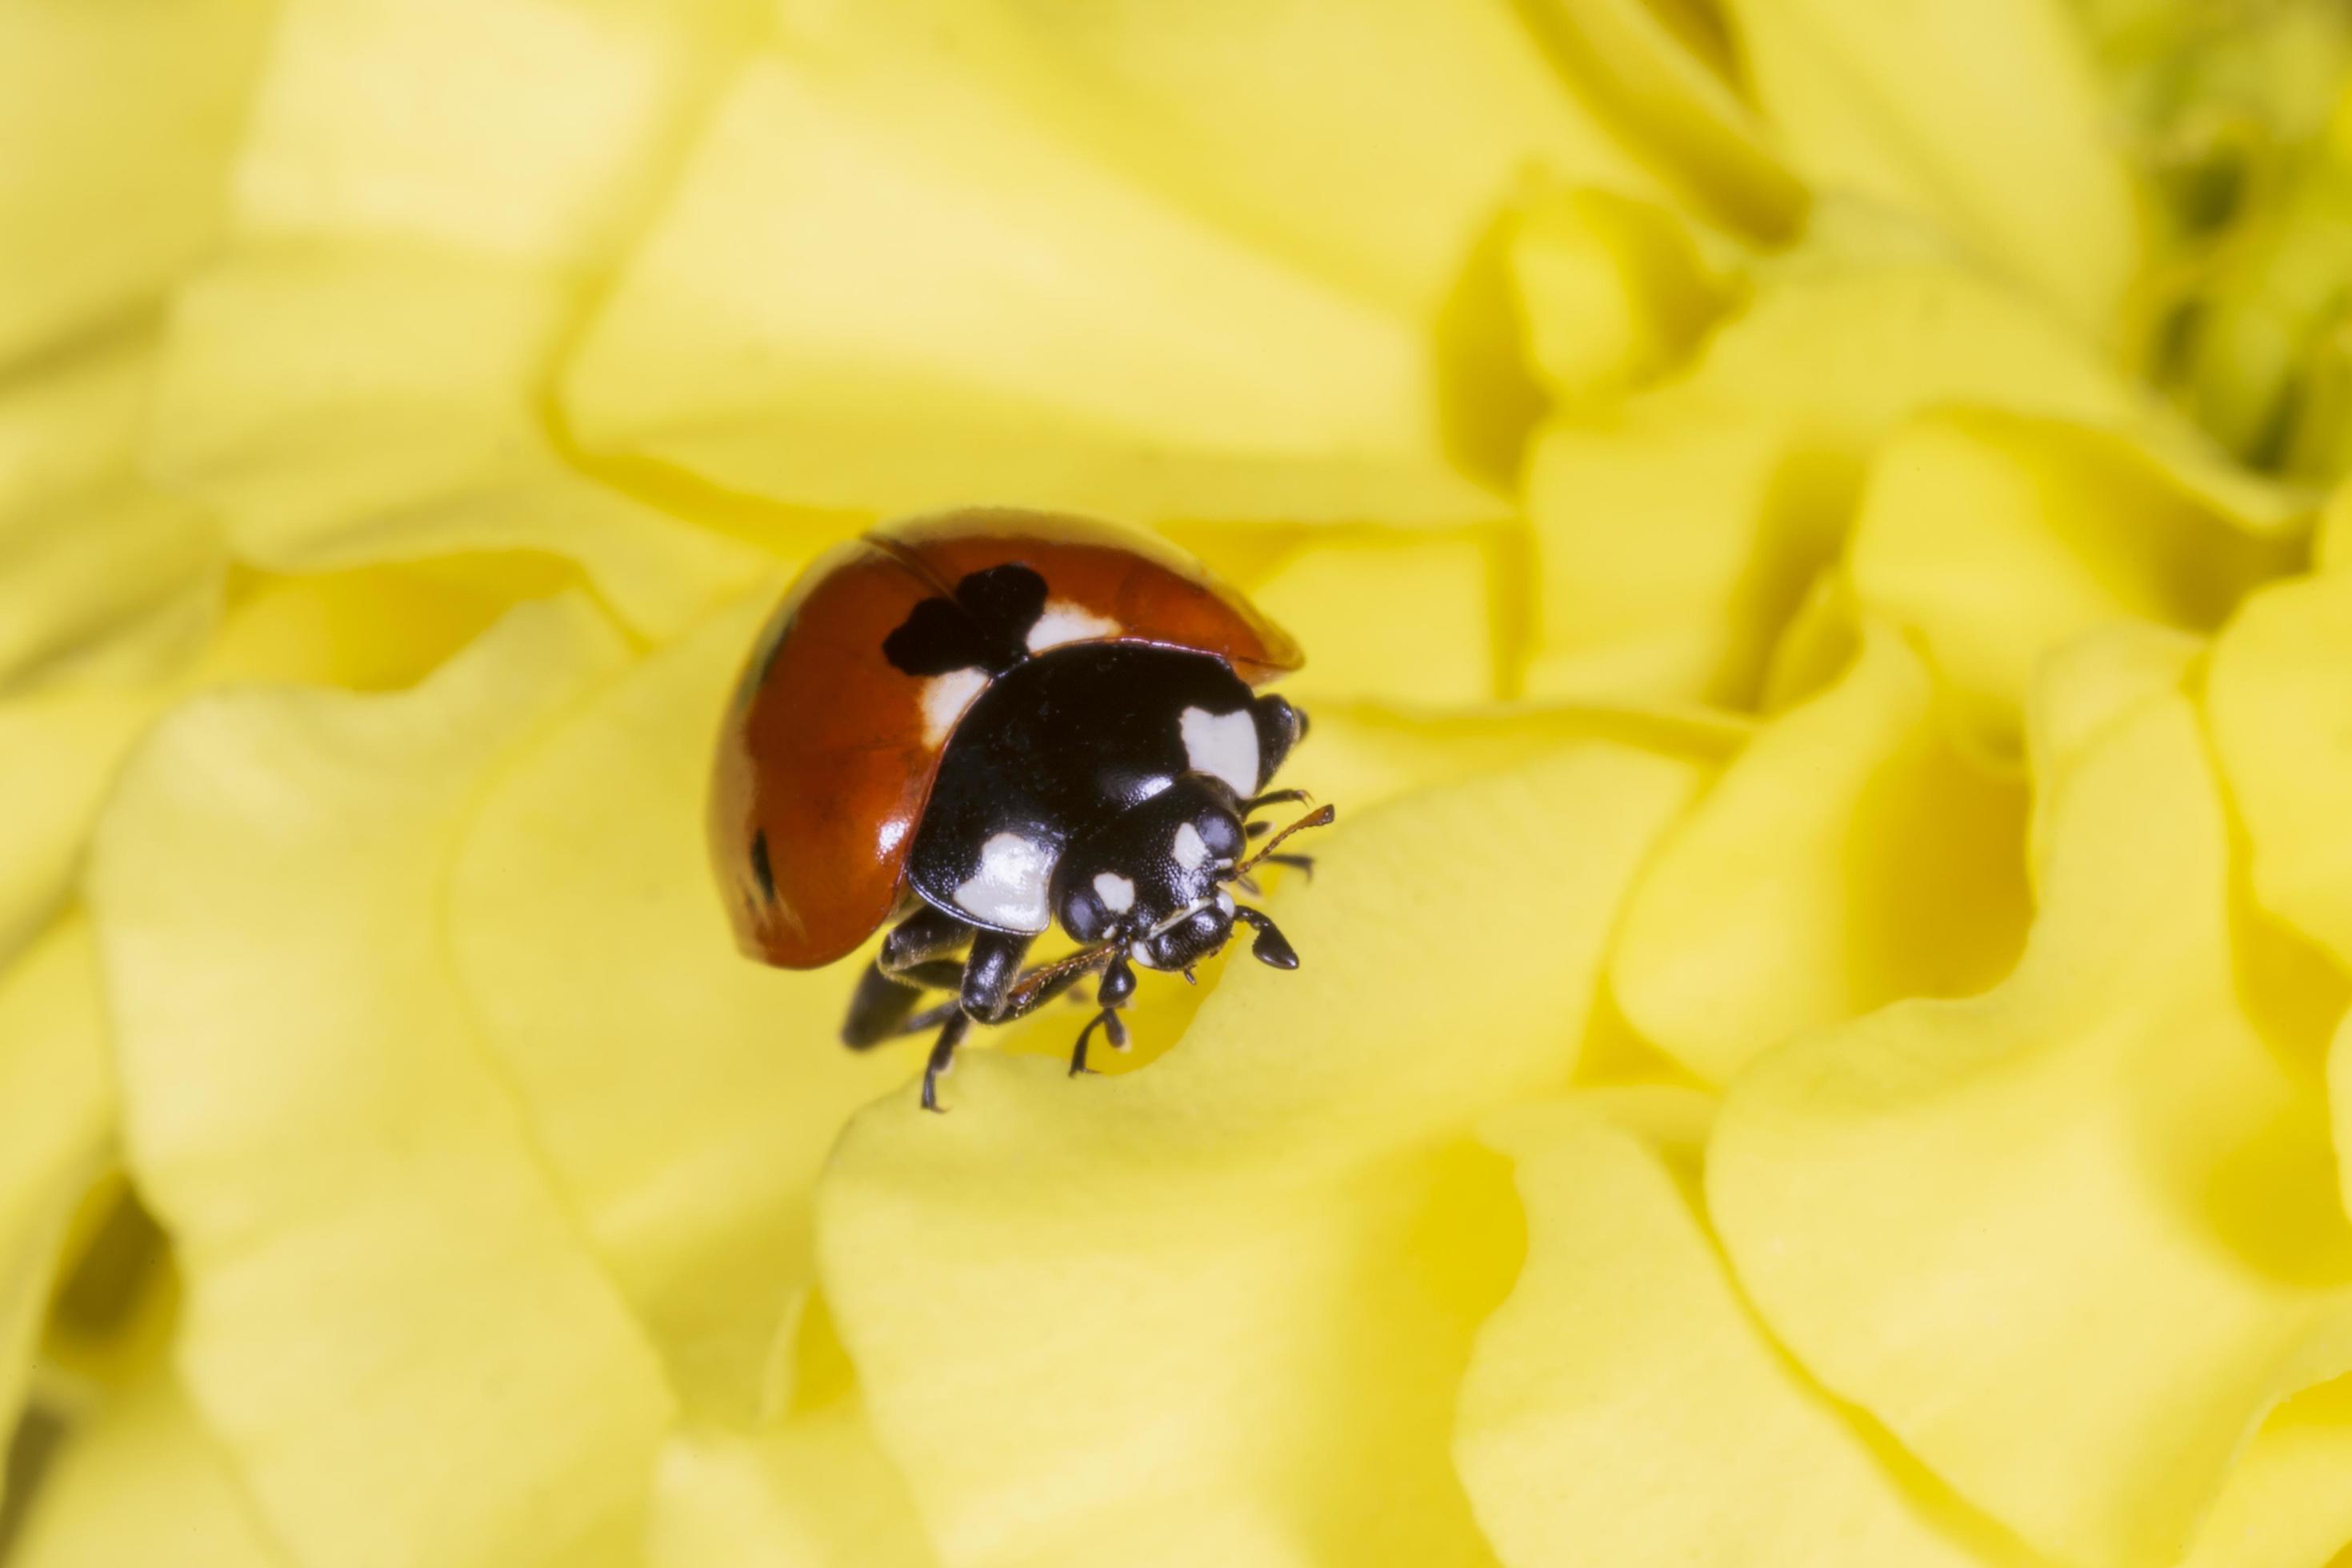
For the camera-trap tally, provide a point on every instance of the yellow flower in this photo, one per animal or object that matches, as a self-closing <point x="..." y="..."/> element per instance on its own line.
<point x="1823" y="1032"/>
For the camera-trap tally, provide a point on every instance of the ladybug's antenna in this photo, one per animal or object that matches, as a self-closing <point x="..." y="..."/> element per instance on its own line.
<point x="1320" y="817"/>
<point x="1048" y="979"/>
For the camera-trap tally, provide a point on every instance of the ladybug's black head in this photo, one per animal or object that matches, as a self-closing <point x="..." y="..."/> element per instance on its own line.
<point x="1153" y="877"/>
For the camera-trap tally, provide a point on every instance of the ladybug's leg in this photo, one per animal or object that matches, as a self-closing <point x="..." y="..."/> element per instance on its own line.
<point x="988" y="976"/>
<point x="1271" y="948"/>
<point x="942" y="1057"/>
<point x="989" y="973"/>
<point x="1117" y="985"/>
<point x="914" y="959"/>
<point x="929" y="933"/>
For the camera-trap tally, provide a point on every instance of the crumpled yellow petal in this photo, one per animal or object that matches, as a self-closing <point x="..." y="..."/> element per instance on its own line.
<point x="2276" y="696"/>
<point x="892" y="281"/>
<point x="1677" y="533"/>
<point x="1215" y="1311"/>
<point x="57" y="1119"/>
<point x="1871" y="321"/>
<point x="117" y="582"/>
<point x="2072" y="1240"/>
<point x="816" y="1492"/>
<point x="102" y="578"/>
<point x="1282" y="124"/>
<point x="813" y="1489"/>
<point x="1666" y="71"/>
<point x="2083" y="686"/>
<point x="2279" y="693"/>
<point x="1624" y="1407"/>
<point x="370" y="630"/>
<point x="425" y="193"/>
<point x="1670" y="546"/>
<point x="1358" y="754"/>
<point x="385" y="1296"/>
<point x="59" y="751"/>
<point x="2287" y="1503"/>
<point x="141" y="1481"/>
<point x="1850" y="856"/>
<point x="1613" y="290"/>
<point x="122" y="122"/>
<point x="683" y="1097"/>
<point x="1399" y="617"/>
<point x="1995" y="538"/>
<point x="1980" y="117"/>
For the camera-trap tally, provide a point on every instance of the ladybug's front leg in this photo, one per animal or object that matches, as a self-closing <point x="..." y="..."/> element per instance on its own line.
<point x="1117" y="985"/>
<point x="989" y="973"/>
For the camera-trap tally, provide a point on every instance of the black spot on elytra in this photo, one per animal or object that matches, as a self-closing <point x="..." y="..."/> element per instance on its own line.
<point x="760" y="871"/>
<point x="984" y="626"/>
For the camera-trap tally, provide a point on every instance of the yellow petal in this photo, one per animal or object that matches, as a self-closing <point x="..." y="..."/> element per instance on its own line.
<point x="1666" y="70"/>
<point x="121" y="123"/>
<point x="1624" y="1407"/>
<point x="1359" y="753"/>
<point x="1671" y="546"/>
<point x="59" y="751"/>
<point x="886" y="286"/>
<point x="115" y="583"/>
<point x="2280" y="694"/>
<point x="1986" y="1221"/>
<point x="813" y="1489"/>
<point x="426" y="192"/>
<point x="683" y="1096"/>
<point x="815" y="1493"/>
<point x="1871" y="321"/>
<point x="1980" y="117"/>
<point x="140" y="1481"/>
<point x="2083" y="686"/>
<point x="2334" y="545"/>
<point x="1849" y="857"/>
<point x="1677" y="534"/>
<point x="1214" y="1310"/>
<point x="371" y="629"/>
<point x="1406" y="618"/>
<point x="2287" y="1504"/>
<point x="72" y="421"/>
<point x="1367" y="142"/>
<point x="349" y="407"/>
<point x="102" y="578"/>
<point x="1996" y="538"/>
<point x="56" y="1117"/>
<point x="1613" y="290"/>
<point x="386" y="1297"/>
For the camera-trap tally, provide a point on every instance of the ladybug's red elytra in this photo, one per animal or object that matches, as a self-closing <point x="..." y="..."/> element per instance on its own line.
<point x="980" y="723"/>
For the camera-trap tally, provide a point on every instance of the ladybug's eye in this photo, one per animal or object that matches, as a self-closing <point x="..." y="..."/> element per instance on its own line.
<point x="1090" y="911"/>
<point x="1223" y="836"/>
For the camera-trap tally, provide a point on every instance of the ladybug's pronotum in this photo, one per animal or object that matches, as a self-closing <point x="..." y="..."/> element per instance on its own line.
<point x="975" y="724"/>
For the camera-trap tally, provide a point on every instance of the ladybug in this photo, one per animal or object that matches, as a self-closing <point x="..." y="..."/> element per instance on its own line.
<point x="973" y="725"/>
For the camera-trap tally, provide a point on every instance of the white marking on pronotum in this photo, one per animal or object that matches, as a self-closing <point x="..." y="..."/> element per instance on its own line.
<point x="1190" y="849"/>
<point x="1224" y="900"/>
<point x="1180" y="917"/>
<point x="1009" y="889"/>
<point x="1223" y="746"/>
<point x="1064" y="622"/>
<point x="945" y="697"/>
<point x="1117" y="893"/>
